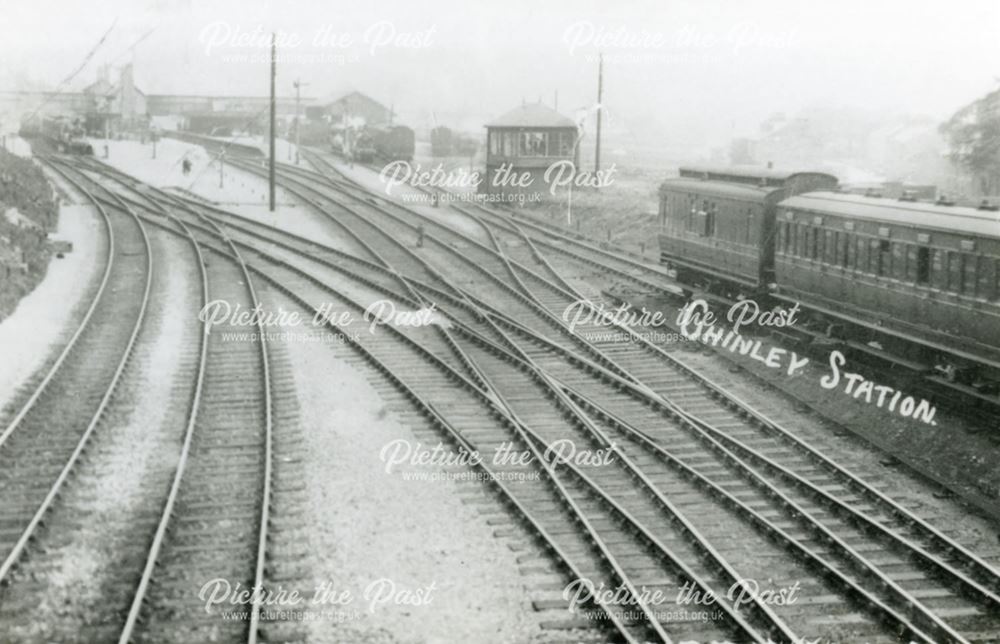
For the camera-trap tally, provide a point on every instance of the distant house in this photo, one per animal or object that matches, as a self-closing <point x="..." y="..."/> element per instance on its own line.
<point x="115" y="106"/>
<point x="525" y="142"/>
<point x="356" y="105"/>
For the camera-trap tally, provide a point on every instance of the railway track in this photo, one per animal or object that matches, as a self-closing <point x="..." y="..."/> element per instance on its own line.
<point x="215" y="521"/>
<point x="910" y="529"/>
<point x="633" y="276"/>
<point x="734" y="451"/>
<point x="45" y="439"/>
<point x="212" y="515"/>
<point x="523" y="482"/>
<point x="546" y="237"/>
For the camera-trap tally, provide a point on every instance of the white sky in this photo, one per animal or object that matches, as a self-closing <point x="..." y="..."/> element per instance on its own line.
<point x="711" y="68"/>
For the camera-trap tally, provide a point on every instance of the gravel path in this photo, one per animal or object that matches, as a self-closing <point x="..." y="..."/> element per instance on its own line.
<point x="373" y="527"/>
<point x="240" y="192"/>
<point x="41" y="318"/>
<point x="411" y="197"/>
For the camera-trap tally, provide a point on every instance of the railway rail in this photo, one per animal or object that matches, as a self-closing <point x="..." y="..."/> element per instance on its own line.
<point x="902" y="515"/>
<point x="574" y="250"/>
<point x="46" y="438"/>
<point x="562" y="538"/>
<point x="912" y="615"/>
<point x="209" y="526"/>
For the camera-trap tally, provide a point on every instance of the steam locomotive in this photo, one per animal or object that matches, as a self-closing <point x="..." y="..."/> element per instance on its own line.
<point x="64" y="134"/>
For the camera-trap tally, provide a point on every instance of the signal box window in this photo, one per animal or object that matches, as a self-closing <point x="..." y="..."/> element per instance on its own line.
<point x="561" y="144"/>
<point x="532" y="144"/>
<point x="509" y="141"/>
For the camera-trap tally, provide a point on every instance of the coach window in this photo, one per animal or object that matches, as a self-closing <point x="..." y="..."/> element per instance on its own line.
<point x="884" y="257"/>
<point x="955" y="271"/>
<point x="710" y="220"/>
<point x="814" y="249"/>
<point x="899" y="268"/>
<point x="846" y="244"/>
<point x="923" y="265"/>
<point x="971" y="270"/>
<point x="986" y="278"/>
<point x="996" y="282"/>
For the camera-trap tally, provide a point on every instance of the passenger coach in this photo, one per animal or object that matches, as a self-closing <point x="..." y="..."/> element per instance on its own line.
<point x="718" y="223"/>
<point x="919" y="271"/>
<point x="716" y="233"/>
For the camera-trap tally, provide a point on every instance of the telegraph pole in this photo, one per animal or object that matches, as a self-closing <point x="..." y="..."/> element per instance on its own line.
<point x="274" y="64"/>
<point x="600" y="108"/>
<point x="298" y="119"/>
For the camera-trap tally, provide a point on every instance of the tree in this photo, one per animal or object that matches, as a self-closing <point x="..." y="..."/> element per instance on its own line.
<point x="973" y="135"/>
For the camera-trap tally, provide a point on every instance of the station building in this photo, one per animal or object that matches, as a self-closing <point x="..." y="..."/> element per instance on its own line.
<point x="355" y="105"/>
<point x="113" y="108"/>
<point x="105" y="106"/>
<point x="521" y="145"/>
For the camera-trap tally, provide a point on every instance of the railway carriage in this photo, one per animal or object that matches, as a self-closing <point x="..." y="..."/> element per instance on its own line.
<point x="717" y="234"/>
<point x="923" y="275"/>
<point x="394" y="143"/>
<point x="915" y="283"/>
<point x="718" y="223"/>
<point x="442" y="139"/>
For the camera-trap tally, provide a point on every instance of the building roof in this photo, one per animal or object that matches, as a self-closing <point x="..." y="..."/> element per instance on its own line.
<point x="533" y="115"/>
<point x="100" y="86"/>
<point x="718" y="188"/>
<point x="919" y="214"/>
<point x="353" y="96"/>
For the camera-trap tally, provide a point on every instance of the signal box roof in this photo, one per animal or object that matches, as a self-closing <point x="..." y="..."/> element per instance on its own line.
<point x="533" y="115"/>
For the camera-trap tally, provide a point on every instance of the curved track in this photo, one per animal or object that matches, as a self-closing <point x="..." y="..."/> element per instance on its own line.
<point x="721" y="455"/>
